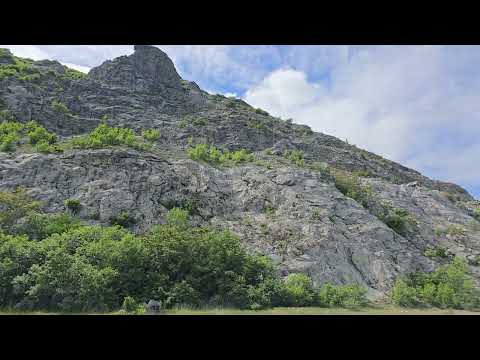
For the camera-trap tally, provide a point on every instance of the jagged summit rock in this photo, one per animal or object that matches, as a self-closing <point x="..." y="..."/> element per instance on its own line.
<point x="147" y="69"/>
<point x="6" y="57"/>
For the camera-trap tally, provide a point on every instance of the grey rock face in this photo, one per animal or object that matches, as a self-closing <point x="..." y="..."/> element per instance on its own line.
<point x="148" y="68"/>
<point x="311" y="228"/>
<point x="294" y="215"/>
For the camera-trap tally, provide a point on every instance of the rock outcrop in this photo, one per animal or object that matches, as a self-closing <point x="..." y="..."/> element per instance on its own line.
<point x="294" y="214"/>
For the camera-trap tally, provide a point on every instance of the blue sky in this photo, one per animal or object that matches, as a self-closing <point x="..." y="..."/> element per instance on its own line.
<point x="417" y="105"/>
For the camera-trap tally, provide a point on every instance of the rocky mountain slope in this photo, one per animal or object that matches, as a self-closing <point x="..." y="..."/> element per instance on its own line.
<point x="337" y="212"/>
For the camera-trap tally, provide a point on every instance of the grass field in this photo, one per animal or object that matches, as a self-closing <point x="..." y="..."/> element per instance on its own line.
<point x="370" y="310"/>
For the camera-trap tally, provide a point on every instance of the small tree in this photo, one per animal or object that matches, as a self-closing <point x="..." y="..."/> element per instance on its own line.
<point x="299" y="290"/>
<point x="129" y="304"/>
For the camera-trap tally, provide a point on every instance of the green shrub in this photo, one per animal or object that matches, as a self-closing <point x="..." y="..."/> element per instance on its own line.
<point x="203" y="152"/>
<point x="455" y="230"/>
<point x="396" y="219"/>
<point x="9" y="127"/>
<point x="199" y="122"/>
<point x="448" y="287"/>
<point x="10" y="134"/>
<point x="46" y="148"/>
<point x="476" y="213"/>
<point x="213" y="266"/>
<point x="38" y="134"/>
<point x="352" y="295"/>
<point x="73" y="205"/>
<point x="298" y="290"/>
<point x="199" y="152"/>
<point x="255" y="124"/>
<point x="151" y="134"/>
<point x="295" y="156"/>
<point x="104" y="136"/>
<point x="451" y="230"/>
<point x="316" y="214"/>
<point x="17" y="255"/>
<point x="349" y="185"/>
<point x="8" y="142"/>
<point x="21" y="69"/>
<point x="404" y="295"/>
<point x="261" y="112"/>
<point x="124" y="219"/>
<point x="177" y="217"/>
<point x="129" y="304"/>
<point x="59" y="107"/>
<point x="38" y="226"/>
<point x="236" y="157"/>
<point x="15" y="205"/>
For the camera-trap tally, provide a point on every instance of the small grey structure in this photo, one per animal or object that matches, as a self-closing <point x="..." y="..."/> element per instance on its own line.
<point x="153" y="307"/>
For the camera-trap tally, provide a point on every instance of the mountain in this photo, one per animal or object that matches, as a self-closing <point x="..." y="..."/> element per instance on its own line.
<point x="313" y="203"/>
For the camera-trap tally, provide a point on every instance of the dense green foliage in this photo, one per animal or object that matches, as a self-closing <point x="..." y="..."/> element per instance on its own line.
<point x="151" y="134"/>
<point x="447" y="287"/>
<point x="204" y="152"/>
<point x="352" y="295"/>
<point x="54" y="262"/>
<point x="298" y="290"/>
<point x="24" y="69"/>
<point x="21" y="69"/>
<point x="103" y="136"/>
<point x="51" y="261"/>
<point x="295" y="156"/>
<point x="124" y="219"/>
<point x="15" y="205"/>
<point x="13" y="133"/>
<point x="129" y="304"/>
<point x="73" y="205"/>
<point x="476" y="213"/>
<point x="9" y="135"/>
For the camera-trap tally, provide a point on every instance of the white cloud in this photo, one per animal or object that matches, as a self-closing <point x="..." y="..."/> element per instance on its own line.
<point x="84" y="69"/>
<point x="410" y="104"/>
<point x="27" y="51"/>
<point x="79" y="57"/>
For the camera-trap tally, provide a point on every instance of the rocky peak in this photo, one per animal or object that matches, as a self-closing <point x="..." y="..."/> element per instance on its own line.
<point x="147" y="69"/>
<point x="6" y="57"/>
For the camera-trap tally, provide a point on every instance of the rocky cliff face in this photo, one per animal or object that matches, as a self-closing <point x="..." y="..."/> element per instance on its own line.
<point x="295" y="214"/>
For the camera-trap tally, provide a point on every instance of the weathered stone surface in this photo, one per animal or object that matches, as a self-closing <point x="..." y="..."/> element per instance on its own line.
<point x="149" y="68"/>
<point x="294" y="215"/>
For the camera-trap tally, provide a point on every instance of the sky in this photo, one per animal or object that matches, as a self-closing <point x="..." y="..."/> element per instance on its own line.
<point x="416" y="105"/>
